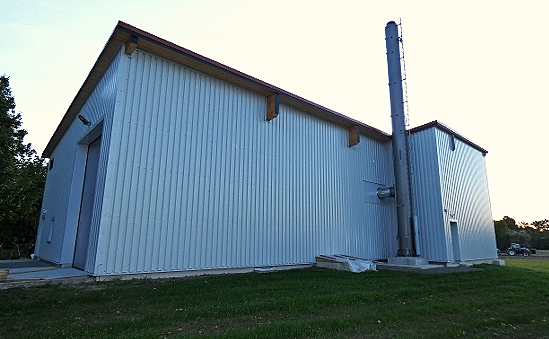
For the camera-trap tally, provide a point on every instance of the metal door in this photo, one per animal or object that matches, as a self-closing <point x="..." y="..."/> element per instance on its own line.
<point x="455" y="241"/>
<point x="86" y="205"/>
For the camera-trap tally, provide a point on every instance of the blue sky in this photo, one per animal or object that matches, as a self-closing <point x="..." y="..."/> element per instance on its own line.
<point x="477" y="66"/>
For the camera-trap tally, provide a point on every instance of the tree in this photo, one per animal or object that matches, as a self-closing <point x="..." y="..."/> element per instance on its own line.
<point x="503" y="234"/>
<point x="22" y="175"/>
<point x="541" y="225"/>
<point x="511" y="223"/>
<point x="534" y="234"/>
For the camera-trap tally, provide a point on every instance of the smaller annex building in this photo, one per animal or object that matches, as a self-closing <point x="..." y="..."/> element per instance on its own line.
<point x="168" y="162"/>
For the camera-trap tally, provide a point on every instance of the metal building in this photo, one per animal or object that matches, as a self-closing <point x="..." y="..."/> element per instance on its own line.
<point x="168" y="162"/>
<point x="451" y="200"/>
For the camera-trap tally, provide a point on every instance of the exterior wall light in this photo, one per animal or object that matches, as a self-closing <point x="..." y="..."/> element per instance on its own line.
<point x="84" y="120"/>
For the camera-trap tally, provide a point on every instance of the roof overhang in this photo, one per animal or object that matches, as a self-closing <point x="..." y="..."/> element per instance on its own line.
<point x="124" y="33"/>
<point x="442" y="127"/>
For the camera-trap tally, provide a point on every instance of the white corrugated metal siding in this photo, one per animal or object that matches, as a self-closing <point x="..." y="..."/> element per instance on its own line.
<point x="63" y="190"/>
<point x="427" y="195"/>
<point x="198" y="179"/>
<point x="466" y="198"/>
<point x="451" y="185"/>
<point x="107" y="90"/>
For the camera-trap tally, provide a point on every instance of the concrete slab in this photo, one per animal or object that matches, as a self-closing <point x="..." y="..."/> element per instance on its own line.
<point x="408" y="261"/>
<point x="27" y="272"/>
<point x="498" y="262"/>
<point x="19" y="263"/>
<point x="45" y="274"/>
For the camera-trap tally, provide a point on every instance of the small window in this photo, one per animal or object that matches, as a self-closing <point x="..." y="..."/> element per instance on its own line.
<point x="51" y="164"/>
<point x="452" y="142"/>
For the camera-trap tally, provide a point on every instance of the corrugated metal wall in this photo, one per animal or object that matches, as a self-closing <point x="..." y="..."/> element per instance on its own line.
<point x="466" y="198"/>
<point x="107" y="91"/>
<point x="427" y="195"/>
<point x="63" y="190"/>
<point x="451" y="185"/>
<point x="198" y="179"/>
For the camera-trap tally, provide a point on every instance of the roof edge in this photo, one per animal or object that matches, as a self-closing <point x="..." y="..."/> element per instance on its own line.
<point x="91" y="80"/>
<point x="271" y="88"/>
<point x="125" y="29"/>
<point x="443" y="127"/>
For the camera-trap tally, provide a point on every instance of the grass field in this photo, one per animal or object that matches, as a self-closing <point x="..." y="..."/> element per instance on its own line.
<point x="500" y="302"/>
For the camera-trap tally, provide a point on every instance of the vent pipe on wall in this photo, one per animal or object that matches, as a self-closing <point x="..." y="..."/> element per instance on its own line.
<point x="400" y="144"/>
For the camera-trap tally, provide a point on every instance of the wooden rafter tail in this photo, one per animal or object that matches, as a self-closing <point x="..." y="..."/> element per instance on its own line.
<point x="354" y="135"/>
<point x="272" y="106"/>
<point x="131" y="45"/>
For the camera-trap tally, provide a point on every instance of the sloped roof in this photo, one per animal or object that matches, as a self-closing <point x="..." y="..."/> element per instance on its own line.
<point x="441" y="126"/>
<point x="168" y="50"/>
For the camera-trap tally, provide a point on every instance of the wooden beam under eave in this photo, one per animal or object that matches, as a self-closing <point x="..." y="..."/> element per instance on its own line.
<point x="354" y="136"/>
<point x="131" y="45"/>
<point x="272" y="106"/>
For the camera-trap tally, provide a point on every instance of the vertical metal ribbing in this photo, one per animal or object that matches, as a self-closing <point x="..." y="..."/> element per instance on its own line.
<point x="400" y="143"/>
<point x="201" y="180"/>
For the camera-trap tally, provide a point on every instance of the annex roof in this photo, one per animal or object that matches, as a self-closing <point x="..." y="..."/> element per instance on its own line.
<point x="441" y="126"/>
<point x="122" y="34"/>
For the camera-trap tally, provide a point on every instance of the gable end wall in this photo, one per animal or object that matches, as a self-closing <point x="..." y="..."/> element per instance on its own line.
<point x="63" y="189"/>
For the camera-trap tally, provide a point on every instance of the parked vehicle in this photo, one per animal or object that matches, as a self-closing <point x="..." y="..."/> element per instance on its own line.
<point x="516" y="249"/>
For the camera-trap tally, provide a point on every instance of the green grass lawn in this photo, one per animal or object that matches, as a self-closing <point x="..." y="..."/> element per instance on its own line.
<point x="501" y="302"/>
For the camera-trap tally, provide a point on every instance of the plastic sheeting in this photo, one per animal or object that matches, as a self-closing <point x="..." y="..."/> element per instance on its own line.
<point x="345" y="263"/>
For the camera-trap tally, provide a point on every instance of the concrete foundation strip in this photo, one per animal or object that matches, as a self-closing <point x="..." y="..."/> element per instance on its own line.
<point x="37" y="270"/>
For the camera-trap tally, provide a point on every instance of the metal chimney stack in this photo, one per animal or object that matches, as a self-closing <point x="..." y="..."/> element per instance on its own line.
<point x="400" y="144"/>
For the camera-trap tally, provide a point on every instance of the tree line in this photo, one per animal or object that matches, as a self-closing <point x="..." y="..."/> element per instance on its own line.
<point x="22" y="179"/>
<point x="530" y="234"/>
